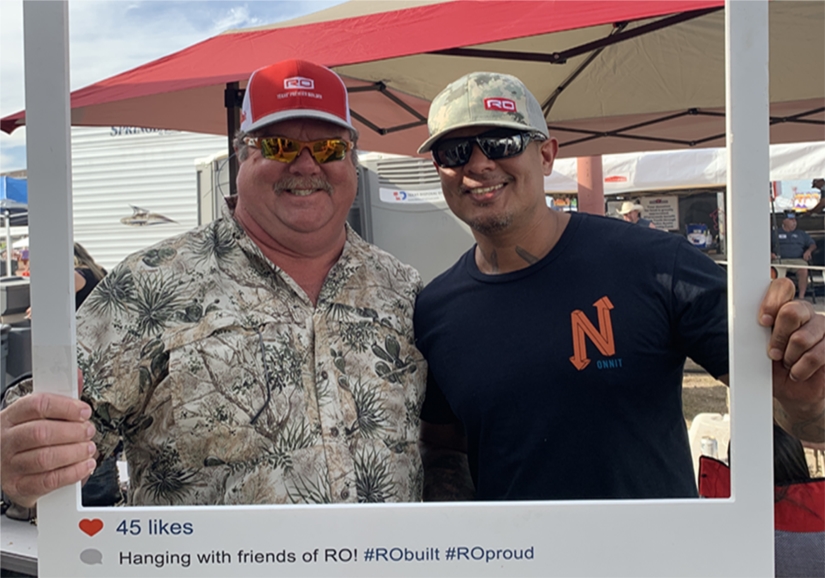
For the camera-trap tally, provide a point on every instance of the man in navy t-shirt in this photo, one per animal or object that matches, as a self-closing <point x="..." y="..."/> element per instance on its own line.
<point x="556" y="344"/>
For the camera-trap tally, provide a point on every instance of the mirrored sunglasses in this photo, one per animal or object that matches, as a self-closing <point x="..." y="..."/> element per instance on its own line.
<point x="495" y="144"/>
<point x="286" y="150"/>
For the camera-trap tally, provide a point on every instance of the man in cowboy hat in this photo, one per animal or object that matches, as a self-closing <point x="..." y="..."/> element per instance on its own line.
<point x="632" y="213"/>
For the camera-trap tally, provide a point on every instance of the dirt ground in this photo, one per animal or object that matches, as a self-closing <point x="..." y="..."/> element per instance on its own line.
<point x="701" y="393"/>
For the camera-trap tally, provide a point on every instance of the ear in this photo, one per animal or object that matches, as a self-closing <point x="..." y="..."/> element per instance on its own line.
<point x="549" y="149"/>
<point x="438" y="170"/>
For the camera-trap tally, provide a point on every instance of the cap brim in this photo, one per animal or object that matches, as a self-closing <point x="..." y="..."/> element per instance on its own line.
<point x="300" y="113"/>
<point x="428" y="144"/>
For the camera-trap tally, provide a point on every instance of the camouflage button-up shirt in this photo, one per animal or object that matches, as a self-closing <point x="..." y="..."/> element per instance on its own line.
<point x="228" y="386"/>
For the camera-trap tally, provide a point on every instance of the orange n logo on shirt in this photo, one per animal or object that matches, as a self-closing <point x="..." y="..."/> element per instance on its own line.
<point x="602" y="337"/>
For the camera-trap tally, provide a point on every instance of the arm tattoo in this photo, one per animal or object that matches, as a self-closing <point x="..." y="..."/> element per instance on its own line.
<point x="811" y="429"/>
<point x="529" y="257"/>
<point x="446" y="475"/>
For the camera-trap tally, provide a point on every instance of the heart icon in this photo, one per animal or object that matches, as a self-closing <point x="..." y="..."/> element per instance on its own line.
<point x="91" y="527"/>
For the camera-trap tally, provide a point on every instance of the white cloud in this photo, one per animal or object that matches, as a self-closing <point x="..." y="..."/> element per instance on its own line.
<point x="237" y="17"/>
<point x="108" y="37"/>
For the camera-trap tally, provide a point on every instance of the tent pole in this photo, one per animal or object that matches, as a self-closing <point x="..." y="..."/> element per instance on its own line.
<point x="589" y="174"/>
<point x="7" y="217"/>
<point x="232" y="101"/>
<point x="775" y="225"/>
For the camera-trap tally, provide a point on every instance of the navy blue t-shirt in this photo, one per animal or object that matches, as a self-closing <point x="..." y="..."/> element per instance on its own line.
<point x="791" y="245"/>
<point x="566" y="375"/>
<point x="91" y="283"/>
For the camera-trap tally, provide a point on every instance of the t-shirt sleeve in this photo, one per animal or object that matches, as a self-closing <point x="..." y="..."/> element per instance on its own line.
<point x="700" y="309"/>
<point x="808" y="240"/>
<point x="436" y="409"/>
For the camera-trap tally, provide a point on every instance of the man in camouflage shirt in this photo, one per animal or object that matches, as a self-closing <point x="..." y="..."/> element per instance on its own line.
<point x="267" y="357"/>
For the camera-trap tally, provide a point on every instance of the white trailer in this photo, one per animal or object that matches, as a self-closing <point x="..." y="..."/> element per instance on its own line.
<point x="117" y="168"/>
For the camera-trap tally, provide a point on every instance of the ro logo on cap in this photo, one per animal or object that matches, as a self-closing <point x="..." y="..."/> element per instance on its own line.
<point x="504" y="104"/>
<point x="299" y="82"/>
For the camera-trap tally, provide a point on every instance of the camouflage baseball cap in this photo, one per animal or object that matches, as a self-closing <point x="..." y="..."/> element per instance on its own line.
<point x="484" y="99"/>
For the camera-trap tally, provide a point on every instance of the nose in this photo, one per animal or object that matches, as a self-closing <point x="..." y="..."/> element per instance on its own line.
<point x="478" y="162"/>
<point x="304" y="164"/>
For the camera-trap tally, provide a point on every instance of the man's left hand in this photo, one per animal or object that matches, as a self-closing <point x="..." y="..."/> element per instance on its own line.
<point x="797" y="348"/>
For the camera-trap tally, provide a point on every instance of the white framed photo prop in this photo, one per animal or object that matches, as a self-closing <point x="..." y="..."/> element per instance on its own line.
<point x="732" y="537"/>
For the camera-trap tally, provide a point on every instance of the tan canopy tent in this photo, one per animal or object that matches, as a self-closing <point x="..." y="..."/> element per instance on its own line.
<point x="613" y="75"/>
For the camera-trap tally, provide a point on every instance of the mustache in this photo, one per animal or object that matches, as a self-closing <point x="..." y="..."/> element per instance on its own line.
<point x="292" y="183"/>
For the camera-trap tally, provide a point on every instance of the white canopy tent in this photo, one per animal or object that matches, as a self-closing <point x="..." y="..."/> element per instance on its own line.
<point x="686" y="169"/>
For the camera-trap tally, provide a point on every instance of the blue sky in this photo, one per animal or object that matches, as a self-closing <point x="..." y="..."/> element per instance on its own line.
<point x="111" y="36"/>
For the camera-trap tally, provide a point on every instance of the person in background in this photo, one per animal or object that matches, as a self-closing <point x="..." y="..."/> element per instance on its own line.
<point x="632" y="213"/>
<point x="87" y="274"/>
<point x="819" y="184"/>
<point x="799" y="506"/>
<point x="23" y="265"/>
<point x="789" y="462"/>
<point x="790" y="246"/>
<point x="799" y="511"/>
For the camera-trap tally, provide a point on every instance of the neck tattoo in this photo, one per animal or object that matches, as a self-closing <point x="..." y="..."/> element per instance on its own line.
<point x="493" y="260"/>
<point x="527" y="256"/>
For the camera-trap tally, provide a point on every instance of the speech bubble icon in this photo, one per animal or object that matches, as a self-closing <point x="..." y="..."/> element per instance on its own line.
<point x="91" y="556"/>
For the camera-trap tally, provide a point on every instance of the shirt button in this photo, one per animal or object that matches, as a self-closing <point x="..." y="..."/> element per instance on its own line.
<point x="334" y="432"/>
<point x="324" y="375"/>
<point x="344" y="494"/>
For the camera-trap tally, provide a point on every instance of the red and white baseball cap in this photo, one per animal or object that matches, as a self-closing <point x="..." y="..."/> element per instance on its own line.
<point x="294" y="89"/>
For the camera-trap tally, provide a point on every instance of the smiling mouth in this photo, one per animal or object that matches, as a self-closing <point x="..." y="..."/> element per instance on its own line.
<point x="300" y="192"/>
<point x="484" y="191"/>
<point x="301" y="187"/>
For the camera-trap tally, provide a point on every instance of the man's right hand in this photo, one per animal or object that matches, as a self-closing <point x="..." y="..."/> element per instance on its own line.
<point x="45" y="444"/>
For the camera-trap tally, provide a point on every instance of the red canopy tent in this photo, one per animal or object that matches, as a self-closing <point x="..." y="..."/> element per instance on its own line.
<point x="614" y="75"/>
<point x="600" y="66"/>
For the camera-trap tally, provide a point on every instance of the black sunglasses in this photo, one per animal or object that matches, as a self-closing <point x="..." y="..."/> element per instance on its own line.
<point x="495" y="144"/>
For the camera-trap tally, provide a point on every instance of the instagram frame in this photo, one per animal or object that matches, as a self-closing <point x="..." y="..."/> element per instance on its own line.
<point x="732" y="537"/>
